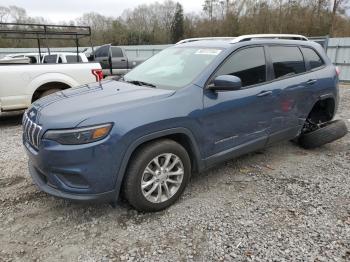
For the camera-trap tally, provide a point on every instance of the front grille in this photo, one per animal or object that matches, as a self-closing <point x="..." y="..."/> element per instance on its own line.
<point x="31" y="131"/>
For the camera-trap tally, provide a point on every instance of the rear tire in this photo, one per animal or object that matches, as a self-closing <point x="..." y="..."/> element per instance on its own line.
<point x="327" y="133"/>
<point x="170" y="181"/>
<point x="49" y="92"/>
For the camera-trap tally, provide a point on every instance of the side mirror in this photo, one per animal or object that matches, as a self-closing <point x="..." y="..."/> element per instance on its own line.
<point x="226" y="83"/>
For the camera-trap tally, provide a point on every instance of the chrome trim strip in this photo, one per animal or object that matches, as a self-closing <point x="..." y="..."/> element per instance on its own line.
<point x="31" y="127"/>
<point x="38" y="136"/>
<point x="28" y="129"/>
<point x="31" y="131"/>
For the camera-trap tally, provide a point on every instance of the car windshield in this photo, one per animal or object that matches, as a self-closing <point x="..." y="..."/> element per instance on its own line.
<point x="173" y="68"/>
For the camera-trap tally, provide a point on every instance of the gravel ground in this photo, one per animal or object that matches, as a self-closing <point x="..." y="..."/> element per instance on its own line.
<point x="283" y="203"/>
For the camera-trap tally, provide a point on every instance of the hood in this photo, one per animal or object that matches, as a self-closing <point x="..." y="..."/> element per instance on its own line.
<point x="70" y="107"/>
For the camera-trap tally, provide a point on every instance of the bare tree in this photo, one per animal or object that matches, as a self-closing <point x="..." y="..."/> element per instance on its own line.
<point x="337" y="4"/>
<point x="17" y="14"/>
<point x="155" y="23"/>
<point x="4" y="14"/>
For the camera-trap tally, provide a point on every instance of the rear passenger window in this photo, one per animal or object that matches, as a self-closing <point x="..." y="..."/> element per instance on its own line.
<point x="72" y="58"/>
<point x="286" y="60"/>
<point x="312" y="57"/>
<point x="50" y="59"/>
<point x="247" y="64"/>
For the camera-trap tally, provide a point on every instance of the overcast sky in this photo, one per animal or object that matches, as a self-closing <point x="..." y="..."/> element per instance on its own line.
<point x="65" y="10"/>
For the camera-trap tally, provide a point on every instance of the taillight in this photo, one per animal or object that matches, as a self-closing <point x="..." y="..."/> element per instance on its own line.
<point x="337" y="70"/>
<point x="98" y="73"/>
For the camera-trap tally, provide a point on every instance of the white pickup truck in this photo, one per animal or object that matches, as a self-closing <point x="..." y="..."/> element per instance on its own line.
<point x="45" y="58"/>
<point x="20" y="85"/>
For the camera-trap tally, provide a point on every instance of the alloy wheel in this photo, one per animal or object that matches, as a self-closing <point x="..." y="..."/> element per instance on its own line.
<point x="162" y="178"/>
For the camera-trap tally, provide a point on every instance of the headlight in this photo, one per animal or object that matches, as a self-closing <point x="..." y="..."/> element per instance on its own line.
<point x="79" y="136"/>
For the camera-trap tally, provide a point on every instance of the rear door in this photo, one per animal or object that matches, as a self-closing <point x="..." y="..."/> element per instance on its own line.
<point x="240" y="118"/>
<point x="292" y="85"/>
<point x="322" y="79"/>
<point x="119" y="60"/>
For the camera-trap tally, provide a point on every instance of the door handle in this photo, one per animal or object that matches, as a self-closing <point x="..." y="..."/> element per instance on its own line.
<point x="123" y="60"/>
<point x="311" y="81"/>
<point x="264" y="93"/>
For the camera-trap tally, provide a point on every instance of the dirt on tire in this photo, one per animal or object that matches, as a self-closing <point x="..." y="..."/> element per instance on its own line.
<point x="327" y="133"/>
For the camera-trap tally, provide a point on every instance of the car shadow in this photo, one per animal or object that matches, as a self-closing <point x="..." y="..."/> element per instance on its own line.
<point x="11" y="118"/>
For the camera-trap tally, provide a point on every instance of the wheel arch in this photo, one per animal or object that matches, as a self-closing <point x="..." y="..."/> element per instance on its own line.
<point x="183" y="136"/>
<point x="323" y="110"/>
<point x="48" y="86"/>
<point x="48" y="79"/>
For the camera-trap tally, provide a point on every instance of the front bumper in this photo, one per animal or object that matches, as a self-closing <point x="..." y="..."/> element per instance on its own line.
<point x="41" y="182"/>
<point x="78" y="172"/>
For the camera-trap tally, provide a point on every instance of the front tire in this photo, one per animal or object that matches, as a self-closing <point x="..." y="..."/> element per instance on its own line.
<point x="157" y="175"/>
<point x="49" y="92"/>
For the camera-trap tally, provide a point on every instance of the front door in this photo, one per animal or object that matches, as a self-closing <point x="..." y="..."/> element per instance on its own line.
<point x="119" y="61"/>
<point x="102" y="55"/>
<point x="242" y="118"/>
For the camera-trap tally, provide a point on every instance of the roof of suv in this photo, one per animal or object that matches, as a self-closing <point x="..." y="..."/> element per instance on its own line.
<point x="227" y="42"/>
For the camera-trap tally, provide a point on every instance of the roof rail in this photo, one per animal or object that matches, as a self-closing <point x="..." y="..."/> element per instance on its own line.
<point x="204" y="38"/>
<point x="247" y="38"/>
<point x="269" y="36"/>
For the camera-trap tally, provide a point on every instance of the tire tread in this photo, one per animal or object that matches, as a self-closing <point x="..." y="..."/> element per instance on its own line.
<point x="332" y="131"/>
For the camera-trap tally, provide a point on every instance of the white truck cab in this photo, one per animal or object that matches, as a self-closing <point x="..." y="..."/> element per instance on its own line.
<point x="45" y="58"/>
<point x="64" y="58"/>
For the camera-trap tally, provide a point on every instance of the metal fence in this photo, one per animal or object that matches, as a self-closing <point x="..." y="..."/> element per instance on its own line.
<point x="143" y="51"/>
<point x="137" y="51"/>
<point x="8" y="51"/>
<point x="338" y="50"/>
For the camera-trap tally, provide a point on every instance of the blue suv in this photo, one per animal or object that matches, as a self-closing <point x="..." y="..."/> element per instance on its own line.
<point x="191" y="106"/>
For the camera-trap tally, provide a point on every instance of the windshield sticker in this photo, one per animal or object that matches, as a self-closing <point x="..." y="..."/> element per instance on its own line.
<point x="208" y="52"/>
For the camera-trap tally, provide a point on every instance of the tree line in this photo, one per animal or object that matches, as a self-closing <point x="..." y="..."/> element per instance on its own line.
<point x="166" y="22"/>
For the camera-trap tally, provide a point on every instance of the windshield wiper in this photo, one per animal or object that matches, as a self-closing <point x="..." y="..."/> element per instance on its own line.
<point x="140" y="83"/>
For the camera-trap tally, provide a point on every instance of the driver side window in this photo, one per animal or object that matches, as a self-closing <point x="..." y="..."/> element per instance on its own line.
<point x="247" y="64"/>
<point x="102" y="51"/>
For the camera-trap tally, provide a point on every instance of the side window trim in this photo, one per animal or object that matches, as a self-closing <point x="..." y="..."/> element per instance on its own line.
<point x="307" y="62"/>
<point x="232" y="54"/>
<point x="306" y="65"/>
<point x="306" y="72"/>
<point x="269" y="66"/>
